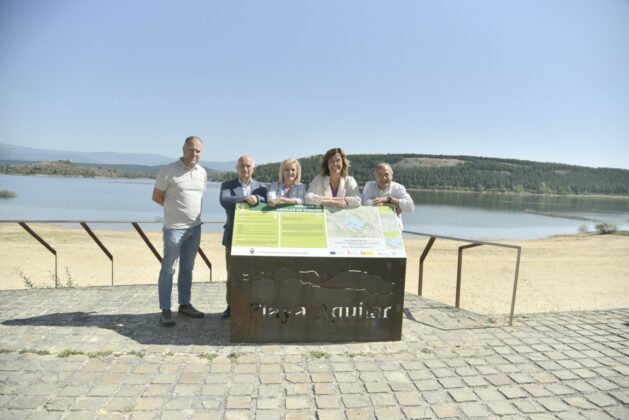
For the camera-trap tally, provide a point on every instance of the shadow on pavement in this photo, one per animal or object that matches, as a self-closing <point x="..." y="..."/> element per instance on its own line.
<point x="142" y="328"/>
<point x="448" y="318"/>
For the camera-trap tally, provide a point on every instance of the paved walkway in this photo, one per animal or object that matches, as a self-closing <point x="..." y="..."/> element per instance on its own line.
<point x="99" y="353"/>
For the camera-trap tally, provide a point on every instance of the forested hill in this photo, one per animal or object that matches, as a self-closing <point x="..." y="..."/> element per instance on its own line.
<point x="474" y="174"/>
<point x="414" y="171"/>
<point x="87" y="170"/>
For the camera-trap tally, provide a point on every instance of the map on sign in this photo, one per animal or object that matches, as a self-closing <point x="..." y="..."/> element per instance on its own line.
<point x="317" y="231"/>
<point x="361" y="222"/>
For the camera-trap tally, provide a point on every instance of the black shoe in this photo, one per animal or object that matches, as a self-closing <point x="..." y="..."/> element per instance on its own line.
<point x="188" y="310"/>
<point x="226" y="313"/>
<point x="167" y="318"/>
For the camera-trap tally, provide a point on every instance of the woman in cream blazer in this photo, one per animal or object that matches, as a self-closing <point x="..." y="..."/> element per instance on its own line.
<point x="334" y="187"/>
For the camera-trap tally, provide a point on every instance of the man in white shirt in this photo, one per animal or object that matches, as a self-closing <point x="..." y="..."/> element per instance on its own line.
<point x="384" y="192"/>
<point x="179" y="190"/>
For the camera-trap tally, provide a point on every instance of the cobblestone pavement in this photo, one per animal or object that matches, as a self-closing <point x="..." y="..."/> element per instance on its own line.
<point x="100" y="353"/>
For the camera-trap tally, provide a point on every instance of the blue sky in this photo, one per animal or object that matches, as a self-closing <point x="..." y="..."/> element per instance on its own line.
<point x="531" y="79"/>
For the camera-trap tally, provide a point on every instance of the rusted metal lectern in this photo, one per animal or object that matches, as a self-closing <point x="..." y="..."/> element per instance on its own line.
<point x="305" y="274"/>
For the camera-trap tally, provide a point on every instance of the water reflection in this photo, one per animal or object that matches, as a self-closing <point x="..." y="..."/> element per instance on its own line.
<point x="469" y="215"/>
<point x="523" y="203"/>
<point x="510" y="216"/>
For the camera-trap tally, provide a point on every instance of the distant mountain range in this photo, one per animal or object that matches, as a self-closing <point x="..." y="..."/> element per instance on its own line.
<point x="10" y="152"/>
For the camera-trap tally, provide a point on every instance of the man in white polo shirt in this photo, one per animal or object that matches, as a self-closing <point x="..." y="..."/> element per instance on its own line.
<point x="179" y="189"/>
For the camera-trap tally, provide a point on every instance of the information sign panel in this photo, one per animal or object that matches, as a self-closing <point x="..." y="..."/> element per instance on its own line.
<point x="314" y="231"/>
<point x="310" y="274"/>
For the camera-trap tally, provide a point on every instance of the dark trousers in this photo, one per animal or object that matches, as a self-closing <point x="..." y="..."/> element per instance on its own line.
<point x="228" y="252"/>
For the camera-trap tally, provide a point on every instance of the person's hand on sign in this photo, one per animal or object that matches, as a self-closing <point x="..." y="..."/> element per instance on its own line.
<point x="252" y="200"/>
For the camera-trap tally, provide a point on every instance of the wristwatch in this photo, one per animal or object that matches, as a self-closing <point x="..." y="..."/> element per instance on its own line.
<point x="388" y="199"/>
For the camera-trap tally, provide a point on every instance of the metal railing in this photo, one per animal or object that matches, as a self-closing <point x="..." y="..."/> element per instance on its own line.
<point x="136" y="225"/>
<point x="471" y="244"/>
<point x="85" y="224"/>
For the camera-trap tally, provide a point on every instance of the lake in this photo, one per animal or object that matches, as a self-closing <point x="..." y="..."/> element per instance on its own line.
<point x="464" y="215"/>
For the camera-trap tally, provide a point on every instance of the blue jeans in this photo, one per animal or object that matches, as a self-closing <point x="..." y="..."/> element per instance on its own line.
<point x="179" y="244"/>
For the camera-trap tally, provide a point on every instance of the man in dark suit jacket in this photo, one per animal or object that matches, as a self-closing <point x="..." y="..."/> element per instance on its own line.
<point x="243" y="189"/>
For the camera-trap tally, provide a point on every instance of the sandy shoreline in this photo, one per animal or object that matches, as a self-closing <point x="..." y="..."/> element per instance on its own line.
<point x="564" y="273"/>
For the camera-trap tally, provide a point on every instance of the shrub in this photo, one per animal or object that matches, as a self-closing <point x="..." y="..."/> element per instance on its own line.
<point x="606" y="228"/>
<point x="7" y="194"/>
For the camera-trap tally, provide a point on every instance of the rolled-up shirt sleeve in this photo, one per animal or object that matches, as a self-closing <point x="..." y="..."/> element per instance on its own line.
<point x="406" y="201"/>
<point x="369" y="193"/>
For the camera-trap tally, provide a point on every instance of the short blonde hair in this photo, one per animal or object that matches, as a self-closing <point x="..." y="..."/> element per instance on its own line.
<point x="290" y="162"/>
